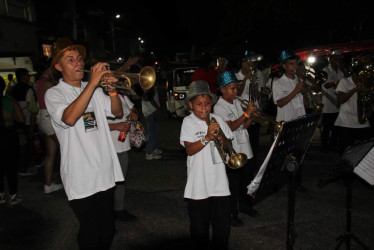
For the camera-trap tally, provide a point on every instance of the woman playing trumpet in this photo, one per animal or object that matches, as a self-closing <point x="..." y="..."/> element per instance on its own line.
<point x="229" y="108"/>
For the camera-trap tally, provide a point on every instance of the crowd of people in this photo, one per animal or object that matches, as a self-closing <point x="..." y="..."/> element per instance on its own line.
<point x="86" y="126"/>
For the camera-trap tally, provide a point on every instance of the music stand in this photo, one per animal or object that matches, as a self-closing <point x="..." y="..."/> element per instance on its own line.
<point x="352" y="157"/>
<point x="287" y="153"/>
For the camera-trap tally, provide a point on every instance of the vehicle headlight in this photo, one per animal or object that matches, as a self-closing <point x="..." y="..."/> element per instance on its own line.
<point x="179" y="96"/>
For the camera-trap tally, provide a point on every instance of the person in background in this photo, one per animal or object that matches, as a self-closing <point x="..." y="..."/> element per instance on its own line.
<point x="349" y="126"/>
<point x="9" y="146"/>
<point x="24" y="94"/>
<point x="46" y="81"/>
<point x="152" y="112"/>
<point x="119" y="128"/>
<point x="206" y="71"/>
<point x="335" y="72"/>
<point x="11" y="83"/>
<point x="230" y="109"/>
<point x="207" y="189"/>
<point x="89" y="164"/>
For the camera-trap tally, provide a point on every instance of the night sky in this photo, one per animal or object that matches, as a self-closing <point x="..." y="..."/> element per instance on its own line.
<point x="265" y="26"/>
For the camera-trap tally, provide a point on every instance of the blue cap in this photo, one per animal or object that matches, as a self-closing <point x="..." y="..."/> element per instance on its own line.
<point x="226" y="78"/>
<point x="287" y="54"/>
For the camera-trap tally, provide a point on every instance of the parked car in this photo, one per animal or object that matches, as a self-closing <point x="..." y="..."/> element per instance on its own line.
<point x="178" y="81"/>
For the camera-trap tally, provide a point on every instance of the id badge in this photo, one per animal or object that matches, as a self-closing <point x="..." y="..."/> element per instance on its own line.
<point x="89" y="120"/>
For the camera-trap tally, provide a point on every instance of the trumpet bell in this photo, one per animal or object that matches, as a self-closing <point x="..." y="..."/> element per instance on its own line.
<point x="147" y="77"/>
<point x="237" y="160"/>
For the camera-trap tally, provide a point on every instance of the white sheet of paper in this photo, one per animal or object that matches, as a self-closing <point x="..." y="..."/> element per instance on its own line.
<point x="365" y="169"/>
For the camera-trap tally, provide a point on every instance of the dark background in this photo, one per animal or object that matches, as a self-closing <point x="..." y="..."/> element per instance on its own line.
<point x="263" y="26"/>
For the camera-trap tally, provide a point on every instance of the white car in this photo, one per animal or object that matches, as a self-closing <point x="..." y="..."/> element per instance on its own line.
<point x="178" y="81"/>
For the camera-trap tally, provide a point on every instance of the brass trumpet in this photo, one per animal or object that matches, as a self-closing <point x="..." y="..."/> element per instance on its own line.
<point x="236" y="160"/>
<point x="264" y="120"/>
<point x="146" y="78"/>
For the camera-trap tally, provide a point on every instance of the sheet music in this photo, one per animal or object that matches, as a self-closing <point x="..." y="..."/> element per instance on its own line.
<point x="253" y="186"/>
<point x="365" y="169"/>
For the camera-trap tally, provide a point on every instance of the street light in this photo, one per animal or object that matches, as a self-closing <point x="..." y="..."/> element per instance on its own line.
<point x="117" y="16"/>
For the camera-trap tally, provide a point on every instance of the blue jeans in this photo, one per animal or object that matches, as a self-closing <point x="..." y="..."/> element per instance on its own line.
<point x="152" y="128"/>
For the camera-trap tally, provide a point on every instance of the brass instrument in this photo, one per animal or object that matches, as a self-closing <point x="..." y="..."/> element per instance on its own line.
<point x="146" y="78"/>
<point x="261" y="118"/>
<point x="308" y="94"/>
<point x="236" y="160"/>
<point x="363" y="76"/>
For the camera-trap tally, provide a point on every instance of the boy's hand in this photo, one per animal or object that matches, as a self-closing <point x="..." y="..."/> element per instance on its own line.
<point x="212" y="131"/>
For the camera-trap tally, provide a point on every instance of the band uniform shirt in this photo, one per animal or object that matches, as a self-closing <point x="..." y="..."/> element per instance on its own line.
<point x="231" y="112"/>
<point x="282" y="87"/>
<point x="89" y="162"/>
<point x="332" y="75"/>
<point x="347" y="116"/>
<point x="204" y="178"/>
<point x="245" y="95"/>
<point x="127" y="105"/>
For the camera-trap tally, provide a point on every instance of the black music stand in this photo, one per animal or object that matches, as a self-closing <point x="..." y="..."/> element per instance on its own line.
<point x="344" y="171"/>
<point x="287" y="153"/>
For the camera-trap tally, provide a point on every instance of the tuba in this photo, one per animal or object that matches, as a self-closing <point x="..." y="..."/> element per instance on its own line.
<point x="364" y="79"/>
<point x="307" y="93"/>
<point x="225" y="149"/>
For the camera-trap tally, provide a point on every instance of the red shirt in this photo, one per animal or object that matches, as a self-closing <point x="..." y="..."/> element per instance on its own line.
<point x="210" y="76"/>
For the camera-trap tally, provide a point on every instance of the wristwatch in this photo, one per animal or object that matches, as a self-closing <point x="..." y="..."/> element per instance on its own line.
<point x="204" y="141"/>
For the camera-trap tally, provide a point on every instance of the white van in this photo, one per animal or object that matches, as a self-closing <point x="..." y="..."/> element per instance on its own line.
<point x="177" y="84"/>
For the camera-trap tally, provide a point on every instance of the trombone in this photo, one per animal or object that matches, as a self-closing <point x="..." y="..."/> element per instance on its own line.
<point x="146" y="79"/>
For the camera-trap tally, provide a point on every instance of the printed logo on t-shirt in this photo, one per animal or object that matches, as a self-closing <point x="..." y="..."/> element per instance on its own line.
<point x="89" y="119"/>
<point x="200" y="134"/>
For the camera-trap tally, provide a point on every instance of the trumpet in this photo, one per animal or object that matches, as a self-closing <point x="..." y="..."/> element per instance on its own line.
<point x="264" y="120"/>
<point x="308" y="94"/>
<point x="225" y="148"/>
<point x="146" y="79"/>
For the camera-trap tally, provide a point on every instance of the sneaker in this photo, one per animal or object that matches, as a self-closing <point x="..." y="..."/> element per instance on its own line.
<point x="2" y="198"/>
<point x="26" y="172"/>
<point x="157" y="151"/>
<point x="152" y="156"/>
<point x="53" y="187"/>
<point x="15" y="199"/>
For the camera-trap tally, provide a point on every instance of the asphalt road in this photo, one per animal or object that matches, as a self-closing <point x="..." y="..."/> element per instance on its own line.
<point x="155" y="196"/>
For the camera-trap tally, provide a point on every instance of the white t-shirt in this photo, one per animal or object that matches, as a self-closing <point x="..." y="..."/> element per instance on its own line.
<point x="245" y="95"/>
<point x="118" y="145"/>
<point x="204" y="178"/>
<point x="282" y="87"/>
<point x="147" y="106"/>
<point x="231" y="112"/>
<point x="348" y="111"/>
<point x="332" y="75"/>
<point x="89" y="162"/>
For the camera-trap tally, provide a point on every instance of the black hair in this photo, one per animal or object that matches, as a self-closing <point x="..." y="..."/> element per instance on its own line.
<point x="20" y="72"/>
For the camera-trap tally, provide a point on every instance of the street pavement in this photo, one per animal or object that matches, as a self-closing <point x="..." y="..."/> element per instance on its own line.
<point x="155" y="195"/>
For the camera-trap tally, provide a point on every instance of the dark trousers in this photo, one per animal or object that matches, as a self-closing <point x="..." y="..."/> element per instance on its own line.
<point x="9" y="168"/>
<point x="213" y="211"/>
<point x="96" y="218"/>
<point x="329" y="134"/>
<point x="254" y="138"/>
<point x="348" y="136"/>
<point x="239" y="179"/>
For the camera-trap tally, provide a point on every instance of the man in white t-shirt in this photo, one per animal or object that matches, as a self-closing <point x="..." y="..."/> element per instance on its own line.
<point x="230" y="109"/>
<point x="89" y="163"/>
<point x="329" y="99"/>
<point x="287" y="89"/>
<point x="119" y="128"/>
<point x="350" y="128"/>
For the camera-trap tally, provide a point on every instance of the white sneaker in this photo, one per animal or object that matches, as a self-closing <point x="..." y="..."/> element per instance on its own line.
<point x="2" y="198"/>
<point x="157" y="151"/>
<point x="152" y="156"/>
<point x="15" y="199"/>
<point x="53" y="187"/>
